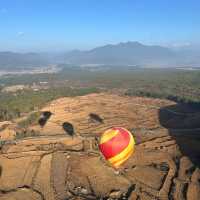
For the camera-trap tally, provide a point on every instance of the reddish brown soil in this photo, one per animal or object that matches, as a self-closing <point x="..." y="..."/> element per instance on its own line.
<point x="56" y="166"/>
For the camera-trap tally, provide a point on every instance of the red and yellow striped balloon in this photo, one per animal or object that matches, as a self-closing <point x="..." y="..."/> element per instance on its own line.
<point x="116" y="145"/>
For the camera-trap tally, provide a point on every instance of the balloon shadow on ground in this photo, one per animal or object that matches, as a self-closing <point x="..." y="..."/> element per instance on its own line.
<point x="96" y="118"/>
<point x="68" y="128"/>
<point x="183" y="124"/>
<point x="44" y="118"/>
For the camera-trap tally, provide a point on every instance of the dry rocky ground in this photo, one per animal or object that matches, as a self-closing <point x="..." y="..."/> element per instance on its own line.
<point x="57" y="166"/>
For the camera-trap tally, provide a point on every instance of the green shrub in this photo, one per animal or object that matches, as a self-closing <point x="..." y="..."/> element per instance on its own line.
<point x="30" y="120"/>
<point x="26" y="133"/>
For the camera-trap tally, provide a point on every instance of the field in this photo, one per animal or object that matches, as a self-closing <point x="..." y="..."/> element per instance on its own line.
<point x="58" y="137"/>
<point x="175" y="84"/>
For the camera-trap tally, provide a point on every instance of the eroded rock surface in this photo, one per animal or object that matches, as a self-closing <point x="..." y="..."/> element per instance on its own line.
<point x="60" y="167"/>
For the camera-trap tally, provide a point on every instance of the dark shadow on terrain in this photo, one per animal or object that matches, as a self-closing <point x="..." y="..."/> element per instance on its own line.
<point x="44" y="118"/>
<point x="183" y="124"/>
<point x="68" y="128"/>
<point x="95" y="118"/>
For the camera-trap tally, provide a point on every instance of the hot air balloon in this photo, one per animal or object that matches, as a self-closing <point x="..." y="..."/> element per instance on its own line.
<point x="117" y="145"/>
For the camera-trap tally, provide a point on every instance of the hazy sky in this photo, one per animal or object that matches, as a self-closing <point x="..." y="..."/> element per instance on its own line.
<point x="30" y="25"/>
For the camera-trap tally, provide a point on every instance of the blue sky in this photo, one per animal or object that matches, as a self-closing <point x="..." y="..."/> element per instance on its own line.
<point x="52" y="25"/>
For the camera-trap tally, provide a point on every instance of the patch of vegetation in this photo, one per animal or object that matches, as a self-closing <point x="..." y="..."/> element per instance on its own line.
<point x="30" y="120"/>
<point x="2" y="142"/>
<point x="174" y="84"/>
<point x="14" y="105"/>
<point x="8" y="114"/>
<point x="26" y="133"/>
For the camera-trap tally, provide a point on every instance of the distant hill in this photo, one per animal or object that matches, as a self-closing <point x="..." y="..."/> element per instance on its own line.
<point x="122" y="53"/>
<point x="133" y="53"/>
<point x="11" y="60"/>
<point x="129" y="53"/>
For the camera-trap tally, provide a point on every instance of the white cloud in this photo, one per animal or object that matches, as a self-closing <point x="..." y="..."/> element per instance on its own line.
<point x="3" y="10"/>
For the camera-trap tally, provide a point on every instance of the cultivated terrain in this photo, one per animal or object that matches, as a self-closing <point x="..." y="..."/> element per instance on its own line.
<point x="55" y="156"/>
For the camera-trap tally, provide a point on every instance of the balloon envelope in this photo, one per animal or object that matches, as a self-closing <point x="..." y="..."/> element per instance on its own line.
<point x="116" y="145"/>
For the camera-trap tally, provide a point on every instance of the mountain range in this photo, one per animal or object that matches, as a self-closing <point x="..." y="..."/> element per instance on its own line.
<point x="128" y="53"/>
<point x="12" y="60"/>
